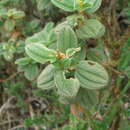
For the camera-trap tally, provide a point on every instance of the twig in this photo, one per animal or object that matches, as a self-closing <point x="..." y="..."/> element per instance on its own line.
<point x="112" y="69"/>
<point x="6" y="122"/>
<point x="9" y="120"/>
<point x="9" y="78"/>
<point x="19" y="126"/>
<point x="6" y="105"/>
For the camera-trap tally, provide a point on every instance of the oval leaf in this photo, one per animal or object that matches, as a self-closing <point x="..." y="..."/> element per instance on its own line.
<point x="31" y="72"/>
<point x="73" y="5"/>
<point x="67" y="5"/>
<point x="40" y="53"/>
<point x="23" y="61"/>
<point x="18" y="14"/>
<point x="92" y="28"/>
<point x="66" y="87"/>
<point x="91" y="75"/>
<point x="66" y="39"/>
<point x="97" y="54"/>
<point x="46" y="36"/>
<point x="42" y="4"/>
<point x="95" y="7"/>
<point x="9" y="25"/>
<point x="87" y="98"/>
<point x="46" y="78"/>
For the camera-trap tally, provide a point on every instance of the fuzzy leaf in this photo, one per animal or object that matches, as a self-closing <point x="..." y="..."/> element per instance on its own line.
<point x="66" y="87"/>
<point x="73" y="5"/>
<point x="23" y="61"/>
<point x="87" y="98"/>
<point x="46" y="36"/>
<point x="9" y="25"/>
<point x="46" y="78"/>
<point x="66" y="39"/>
<point x="91" y="75"/>
<point x="81" y="55"/>
<point x="15" y="14"/>
<point x="42" y="4"/>
<point x="92" y="28"/>
<point x="95" y="7"/>
<point x="31" y="71"/>
<point x="97" y="54"/>
<point x="18" y="15"/>
<point x="71" y="51"/>
<point x="40" y="53"/>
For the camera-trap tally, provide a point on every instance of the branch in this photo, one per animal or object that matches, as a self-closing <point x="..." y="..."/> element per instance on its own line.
<point x="6" y="105"/>
<point x="9" y="78"/>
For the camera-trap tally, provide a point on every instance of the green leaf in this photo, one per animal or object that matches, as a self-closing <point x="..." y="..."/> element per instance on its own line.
<point x="92" y="28"/>
<point x="74" y="20"/>
<point x="81" y="55"/>
<point x="66" y="87"/>
<point x="40" y="53"/>
<point x="67" y="5"/>
<point x="32" y="26"/>
<point x="8" y="55"/>
<point x="23" y="61"/>
<point x="15" y="14"/>
<point x="73" y="5"/>
<point x="46" y="36"/>
<point x="87" y="98"/>
<point x="4" y="2"/>
<point x="42" y="4"/>
<point x="85" y="4"/>
<point x="18" y="15"/>
<point x="65" y="63"/>
<point x="46" y="78"/>
<point x="71" y="51"/>
<point x="66" y="39"/>
<point x="91" y="75"/>
<point x="31" y="72"/>
<point x="97" y="54"/>
<point x="49" y="26"/>
<point x="9" y="25"/>
<point x="95" y="7"/>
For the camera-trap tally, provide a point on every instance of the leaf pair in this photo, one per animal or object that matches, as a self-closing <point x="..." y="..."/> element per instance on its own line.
<point x="38" y="45"/>
<point x="50" y="77"/>
<point x="88" y="75"/>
